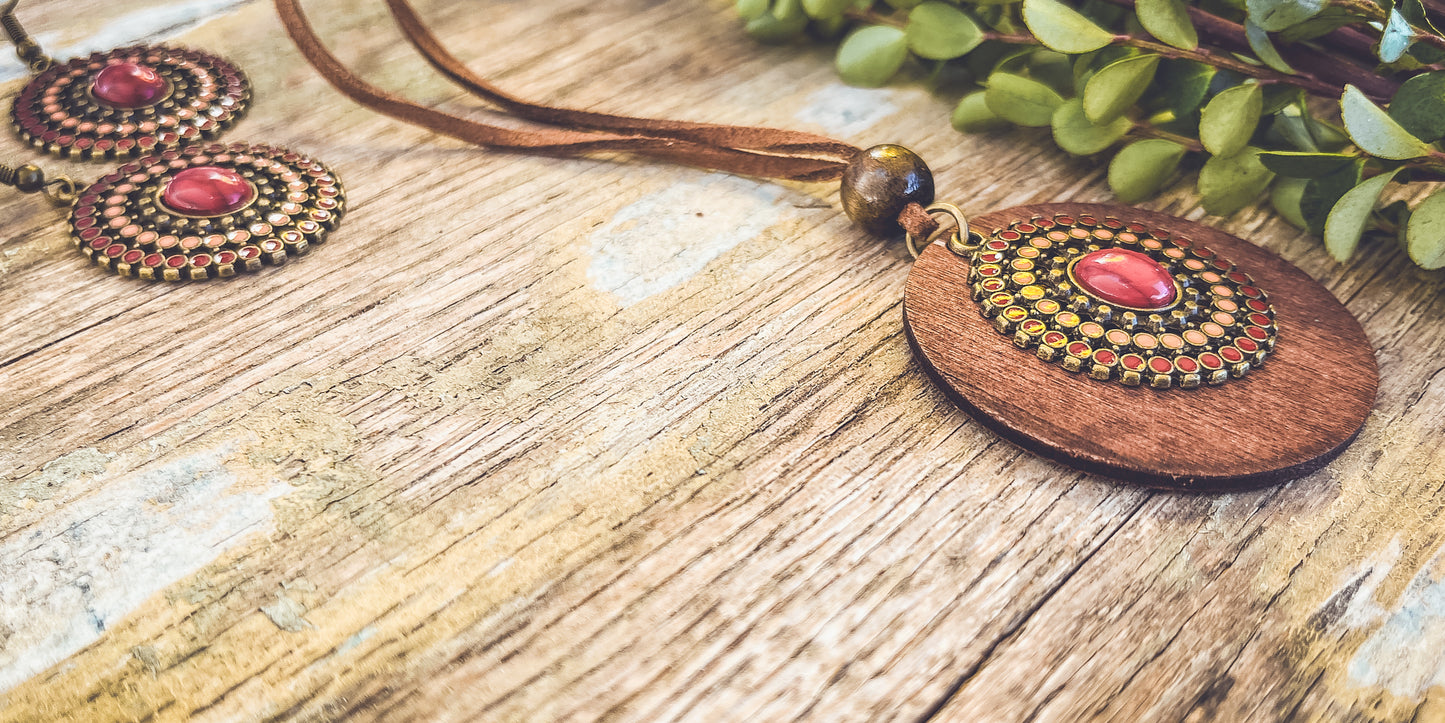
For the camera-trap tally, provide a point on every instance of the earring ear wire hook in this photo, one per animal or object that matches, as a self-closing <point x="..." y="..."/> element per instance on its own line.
<point x="25" y="46"/>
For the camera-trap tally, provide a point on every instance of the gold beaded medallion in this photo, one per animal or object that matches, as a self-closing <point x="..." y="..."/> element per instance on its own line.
<point x="1122" y="303"/>
<point x="129" y="102"/>
<point x="207" y="211"/>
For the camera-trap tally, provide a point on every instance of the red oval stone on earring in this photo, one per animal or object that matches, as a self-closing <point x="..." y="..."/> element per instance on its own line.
<point x="207" y="191"/>
<point x="129" y="85"/>
<point x="206" y="211"/>
<point x="130" y="102"/>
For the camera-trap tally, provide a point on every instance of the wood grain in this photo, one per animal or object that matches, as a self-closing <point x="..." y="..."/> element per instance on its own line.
<point x="1283" y="420"/>
<point x="530" y="439"/>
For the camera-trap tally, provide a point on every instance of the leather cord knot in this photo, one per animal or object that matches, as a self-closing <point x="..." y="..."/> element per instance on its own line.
<point x="918" y="222"/>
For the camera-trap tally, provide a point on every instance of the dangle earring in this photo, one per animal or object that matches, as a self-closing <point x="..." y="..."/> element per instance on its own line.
<point x="124" y="102"/>
<point x="199" y="212"/>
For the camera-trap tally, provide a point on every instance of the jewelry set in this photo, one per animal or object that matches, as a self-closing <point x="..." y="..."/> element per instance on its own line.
<point x="181" y="206"/>
<point x="1124" y="342"/>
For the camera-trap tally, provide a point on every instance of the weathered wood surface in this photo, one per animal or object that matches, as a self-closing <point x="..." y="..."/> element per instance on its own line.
<point x="534" y="439"/>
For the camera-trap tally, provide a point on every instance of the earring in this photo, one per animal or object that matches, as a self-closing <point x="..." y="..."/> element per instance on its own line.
<point x="199" y="212"/>
<point x="124" y="102"/>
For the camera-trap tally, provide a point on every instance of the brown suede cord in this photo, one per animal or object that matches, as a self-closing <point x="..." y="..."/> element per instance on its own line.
<point x="760" y="152"/>
<point x="918" y="221"/>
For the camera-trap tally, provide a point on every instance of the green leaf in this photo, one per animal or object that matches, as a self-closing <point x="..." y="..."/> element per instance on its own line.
<point x="1229" y="120"/>
<point x="1348" y="218"/>
<point x="1414" y="12"/>
<point x="1089" y="63"/>
<point x="1275" y="15"/>
<point x="1062" y="28"/>
<point x="750" y="9"/>
<point x="1117" y="86"/>
<point x="1374" y="131"/>
<point x="1419" y="106"/>
<point x="872" y="55"/>
<point x="1169" y="21"/>
<point x="972" y="115"/>
<point x="1075" y="133"/>
<point x="1180" y="85"/>
<point x="992" y="57"/>
<point x="1304" y="165"/>
<point x="1285" y="197"/>
<point x="1327" y="21"/>
<point x="1396" y="38"/>
<point x="1020" y="100"/>
<point x="1278" y="96"/>
<point x="1264" y="48"/>
<point x="1229" y="183"/>
<point x="1329" y="137"/>
<point x="1425" y="233"/>
<point x="825" y="9"/>
<point x="939" y="31"/>
<point x="778" y="22"/>
<point x="1321" y="194"/>
<point x="1141" y="168"/>
<point x="1291" y="127"/>
<point x="1053" y="69"/>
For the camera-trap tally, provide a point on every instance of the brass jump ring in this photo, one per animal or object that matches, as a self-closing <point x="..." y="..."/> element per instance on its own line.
<point x="955" y="242"/>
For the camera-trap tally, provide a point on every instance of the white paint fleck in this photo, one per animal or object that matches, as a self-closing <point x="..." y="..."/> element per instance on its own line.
<point x="83" y="569"/>
<point x="847" y="111"/>
<point x="665" y="238"/>
<point x="360" y="637"/>
<point x="156" y="23"/>
<point x="501" y="566"/>
<point x="1406" y="654"/>
<point x="1362" y="611"/>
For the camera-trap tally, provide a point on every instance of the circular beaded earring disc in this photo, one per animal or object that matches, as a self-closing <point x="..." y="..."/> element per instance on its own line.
<point x="1142" y="346"/>
<point x="207" y="211"/>
<point x="130" y="101"/>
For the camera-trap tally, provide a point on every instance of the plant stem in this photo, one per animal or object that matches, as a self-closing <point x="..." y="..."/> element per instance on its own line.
<point x="1012" y="39"/>
<point x="1429" y="38"/>
<point x="1354" y="42"/>
<point x="1148" y="131"/>
<point x="1364" y="8"/>
<point x="1328" y="76"/>
<point x="1225" y="62"/>
<point x="873" y="17"/>
<point x="1328" y="72"/>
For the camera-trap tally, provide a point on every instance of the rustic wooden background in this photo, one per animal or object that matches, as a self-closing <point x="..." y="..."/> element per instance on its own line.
<point x="534" y="439"/>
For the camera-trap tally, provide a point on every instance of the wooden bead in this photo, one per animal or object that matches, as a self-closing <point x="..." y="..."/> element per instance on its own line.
<point x="879" y="182"/>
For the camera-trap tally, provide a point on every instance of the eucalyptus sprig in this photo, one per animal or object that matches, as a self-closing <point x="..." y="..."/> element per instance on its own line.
<point x="1324" y="104"/>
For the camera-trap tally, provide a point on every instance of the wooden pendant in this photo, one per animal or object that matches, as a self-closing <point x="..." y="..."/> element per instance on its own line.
<point x="1095" y="404"/>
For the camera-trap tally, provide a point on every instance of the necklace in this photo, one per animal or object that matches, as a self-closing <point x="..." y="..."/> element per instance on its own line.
<point x="1120" y="341"/>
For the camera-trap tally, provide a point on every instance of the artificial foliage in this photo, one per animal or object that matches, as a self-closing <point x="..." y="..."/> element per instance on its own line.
<point x="1326" y="106"/>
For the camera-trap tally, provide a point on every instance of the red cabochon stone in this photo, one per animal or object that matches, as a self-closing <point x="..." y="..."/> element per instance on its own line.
<point x="1126" y="278"/>
<point x="207" y="191"/>
<point x="129" y="85"/>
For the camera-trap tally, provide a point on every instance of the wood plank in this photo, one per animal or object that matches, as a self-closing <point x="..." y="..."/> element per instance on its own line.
<point x="530" y="439"/>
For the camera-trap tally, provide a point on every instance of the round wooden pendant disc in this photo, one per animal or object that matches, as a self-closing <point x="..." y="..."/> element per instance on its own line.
<point x="1285" y="419"/>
